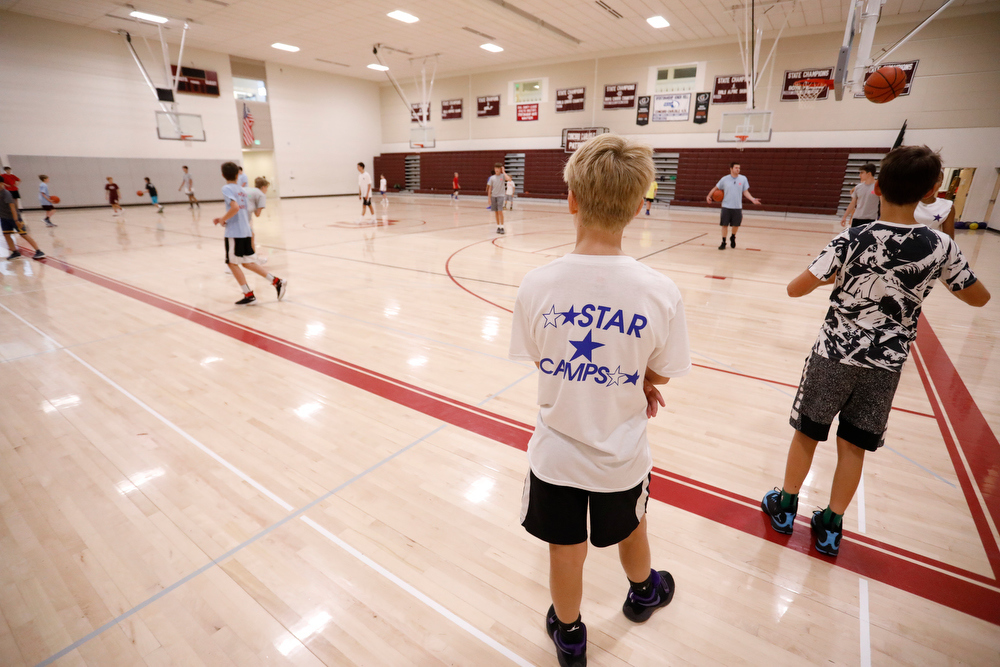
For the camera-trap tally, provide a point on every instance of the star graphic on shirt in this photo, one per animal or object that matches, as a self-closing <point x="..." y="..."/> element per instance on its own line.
<point x="554" y="322"/>
<point x="585" y="347"/>
<point x="937" y="218"/>
<point x="632" y="379"/>
<point x="569" y="316"/>
<point x="614" y="377"/>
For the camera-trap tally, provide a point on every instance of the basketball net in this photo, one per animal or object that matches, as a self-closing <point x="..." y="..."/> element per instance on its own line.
<point x="743" y="134"/>
<point x="806" y="92"/>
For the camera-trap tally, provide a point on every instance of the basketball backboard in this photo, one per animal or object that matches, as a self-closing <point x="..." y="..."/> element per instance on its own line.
<point x="179" y="126"/>
<point x="422" y="137"/>
<point x="742" y="126"/>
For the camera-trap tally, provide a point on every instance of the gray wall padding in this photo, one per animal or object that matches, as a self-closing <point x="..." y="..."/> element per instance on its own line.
<point x="80" y="181"/>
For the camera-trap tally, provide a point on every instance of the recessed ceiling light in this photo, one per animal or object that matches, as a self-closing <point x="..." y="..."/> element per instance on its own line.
<point x="658" y="22"/>
<point x="403" y="16"/>
<point x="284" y="47"/>
<point x="492" y="48"/>
<point x="148" y="17"/>
<point x="377" y="67"/>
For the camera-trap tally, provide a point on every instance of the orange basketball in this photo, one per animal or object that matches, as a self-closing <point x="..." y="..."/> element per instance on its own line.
<point x="885" y="84"/>
<point x="138" y="193"/>
<point x="718" y="195"/>
<point x="54" y="199"/>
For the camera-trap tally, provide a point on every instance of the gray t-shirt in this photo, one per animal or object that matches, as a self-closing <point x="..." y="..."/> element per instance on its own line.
<point x="6" y="199"/>
<point x="867" y="208"/>
<point x="733" y="189"/>
<point x="496" y="184"/>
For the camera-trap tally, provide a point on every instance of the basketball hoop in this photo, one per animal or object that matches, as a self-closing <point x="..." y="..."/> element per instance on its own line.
<point x="742" y="134"/>
<point x="809" y="90"/>
<point x="186" y="137"/>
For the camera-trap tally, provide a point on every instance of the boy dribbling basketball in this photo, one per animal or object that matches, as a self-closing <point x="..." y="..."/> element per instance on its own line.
<point x="111" y="191"/>
<point x="239" y="244"/>
<point x="881" y="273"/>
<point x="603" y="330"/>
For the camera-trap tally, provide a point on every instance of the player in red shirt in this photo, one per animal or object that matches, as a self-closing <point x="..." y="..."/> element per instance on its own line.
<point x="455" y="187"/>
<point x="10" y="182"/>
<point x="112" y="193"/>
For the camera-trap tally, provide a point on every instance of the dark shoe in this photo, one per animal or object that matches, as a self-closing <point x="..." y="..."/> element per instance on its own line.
<point x="781" y="520"/>
<point x="281" y="287"/>
<point x="14" y="255"/>
<point x="638" y="610"/>
<point x="249" y="298"/>
<point x="732" y="241"/>
<point x="827" y="537"/>
<point x="49" y="223"/>
<point x="38" y="255"/>
<point x="570" y="655"/>
<point x="722" y="246"/>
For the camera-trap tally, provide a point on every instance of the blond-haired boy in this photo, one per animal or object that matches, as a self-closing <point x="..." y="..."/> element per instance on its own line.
<point x="603" y="329"/>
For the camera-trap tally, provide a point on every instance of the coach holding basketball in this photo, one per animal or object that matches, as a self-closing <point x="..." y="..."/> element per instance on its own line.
<point x="732" y="188"/>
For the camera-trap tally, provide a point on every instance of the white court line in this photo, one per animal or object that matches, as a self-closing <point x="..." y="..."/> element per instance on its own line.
<point x="860" y="495"/>
<point x="461" y="623"/>
<point x="866" y="629"/>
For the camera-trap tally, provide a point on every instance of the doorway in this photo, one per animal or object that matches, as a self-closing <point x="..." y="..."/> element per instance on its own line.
<point x="261" y="163"/>
<point x="993" y="199"/>
<point x="957" y="181"/>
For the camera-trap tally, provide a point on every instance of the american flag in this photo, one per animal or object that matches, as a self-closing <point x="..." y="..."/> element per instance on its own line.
<point x="247" y="126"/>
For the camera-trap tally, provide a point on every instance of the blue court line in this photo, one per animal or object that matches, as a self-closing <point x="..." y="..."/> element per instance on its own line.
<point x="216" y="561"/>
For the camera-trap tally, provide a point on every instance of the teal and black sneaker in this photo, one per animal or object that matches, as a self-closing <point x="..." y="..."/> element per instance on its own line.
<point x="781" y="520"/>
<point x="827" y="537"/>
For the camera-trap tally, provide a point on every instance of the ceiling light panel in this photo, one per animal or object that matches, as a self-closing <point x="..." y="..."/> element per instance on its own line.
<point x="143" y="16"/>
<point x="492" y="48"/>
<point x="377" y="67"/>
<point x="284" y="47"/>
<point x="658" y="22"/>
<point x="402" y="16"/>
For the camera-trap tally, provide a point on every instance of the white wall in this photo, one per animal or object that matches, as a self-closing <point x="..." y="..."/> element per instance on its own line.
<point x="323" y="126"/>
<point x="72" y="91"/>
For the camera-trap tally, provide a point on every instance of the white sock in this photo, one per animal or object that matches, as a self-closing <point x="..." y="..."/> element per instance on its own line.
<point x="246" y="289"/>
<point x="270" y="277"/>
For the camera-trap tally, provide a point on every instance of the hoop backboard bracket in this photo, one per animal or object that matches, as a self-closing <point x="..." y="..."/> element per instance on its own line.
<point x="179" y="126"/>
<point x="754" y="125"/>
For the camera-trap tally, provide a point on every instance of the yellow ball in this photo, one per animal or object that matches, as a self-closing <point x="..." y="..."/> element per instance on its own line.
<point x="973" y="225"/>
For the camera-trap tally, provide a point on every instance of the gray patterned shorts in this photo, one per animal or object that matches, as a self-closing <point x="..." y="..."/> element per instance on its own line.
<point x="862" y="396"/>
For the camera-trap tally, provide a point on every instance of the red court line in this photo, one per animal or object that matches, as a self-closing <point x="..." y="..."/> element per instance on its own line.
<point x="712" y="503"/>
<point x="447" y="269"/>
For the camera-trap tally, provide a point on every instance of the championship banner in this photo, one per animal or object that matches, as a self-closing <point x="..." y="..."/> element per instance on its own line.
<point x="671" y="107"/>
<point x="642" y="111"/>
<point x="488" y="105"/>
<point x="570" y="99"/>
<point x="415" y="112"/>
<point x="573" y="138"/>
<point x="909" y="69"/>
<point x="730" y="89"/>
<point x="451" y="109"/>
<point x="527" y="112"/>
<point x="794" y="76"/>
<point x="701" y="101"/>
<point x="620" y="95"/>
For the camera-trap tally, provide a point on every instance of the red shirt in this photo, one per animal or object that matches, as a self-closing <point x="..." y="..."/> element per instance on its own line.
<point x="454" y="183"/>
<point x="112" y="189"/>
<point x="10" y="182"/>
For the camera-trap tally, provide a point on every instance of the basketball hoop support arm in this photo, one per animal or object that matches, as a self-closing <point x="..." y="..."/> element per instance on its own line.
<point x="869" y="19"/>
<point x="395" y="84"/>
<point x="905" y="38"/>
<point x="149" y="82"/>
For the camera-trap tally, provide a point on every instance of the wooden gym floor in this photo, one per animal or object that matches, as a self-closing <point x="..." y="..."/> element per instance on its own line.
<point x="335" y="479"/>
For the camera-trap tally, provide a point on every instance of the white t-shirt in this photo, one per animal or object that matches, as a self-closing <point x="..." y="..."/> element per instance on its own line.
<point x="256" y="200"/>
<point x="381" y="184"/>
<point x="934" y="214"/>
<point x="187" y="183"/>
<point x="594" y="324"/>
<point x="365" y="184"/>
<point x="510" y="188"/>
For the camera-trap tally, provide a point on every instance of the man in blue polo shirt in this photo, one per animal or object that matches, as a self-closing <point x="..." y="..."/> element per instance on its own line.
<point x="734" y="187"/>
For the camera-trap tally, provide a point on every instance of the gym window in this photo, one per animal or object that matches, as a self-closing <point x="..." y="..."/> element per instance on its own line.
<point x="251" y="90"/>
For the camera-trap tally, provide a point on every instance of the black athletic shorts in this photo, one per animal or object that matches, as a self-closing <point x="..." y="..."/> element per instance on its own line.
<point x="15" y="194"/>
<point x="862" y="396"/>
<point x="731" y="217"/>
<point x="649" y="200"/>
<point x="242" y="251"/>
<point x="47" y="207"/>
<point x="860" y="222"/>
<point x="558" y="514"/>
<point x="13" y="226"/>
<point x="366" y="202"/>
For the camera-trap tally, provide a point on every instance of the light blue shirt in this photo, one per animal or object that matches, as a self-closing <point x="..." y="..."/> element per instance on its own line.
<point x="43" y="191"/>
<point x="733" y="189"/>
<point x="238" y="226"/>
<point x="242" y="180"/>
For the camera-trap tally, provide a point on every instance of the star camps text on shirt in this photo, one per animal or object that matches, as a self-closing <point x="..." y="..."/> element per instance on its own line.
<point x="594" y="317"/>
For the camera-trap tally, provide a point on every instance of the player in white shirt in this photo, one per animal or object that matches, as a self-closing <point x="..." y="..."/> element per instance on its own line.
<point x="603" y="330"/>
<point x="365" y="190"/>
<point x="187" y="186"/>
<point x="382" y="188"/>
<point x="935" y="212"/>
<point x="509" y="195"/>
